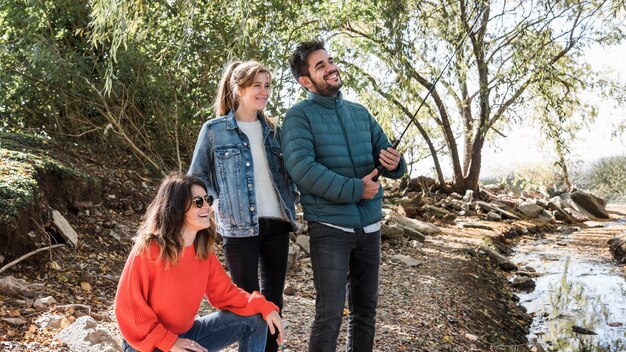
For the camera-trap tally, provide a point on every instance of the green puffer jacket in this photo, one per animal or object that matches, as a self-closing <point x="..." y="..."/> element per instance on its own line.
<point x="330" y="144"/>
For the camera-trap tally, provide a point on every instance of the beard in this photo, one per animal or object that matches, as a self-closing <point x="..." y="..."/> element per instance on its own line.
<point x="326" y="89"/>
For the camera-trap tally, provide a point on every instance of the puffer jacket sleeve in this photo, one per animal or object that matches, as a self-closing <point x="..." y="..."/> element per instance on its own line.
<point x="202" y="163"/>
<point x="295" y="194"/>
<point x="310" y="176"/>
<point x="380" y="142"/>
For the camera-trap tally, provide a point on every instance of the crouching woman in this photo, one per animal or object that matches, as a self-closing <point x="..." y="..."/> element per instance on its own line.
<point x="171" y="267"/>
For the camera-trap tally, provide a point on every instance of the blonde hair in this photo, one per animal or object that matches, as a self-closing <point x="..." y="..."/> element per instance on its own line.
<point x="240" y="75"/>
<point x="165" y="218"/>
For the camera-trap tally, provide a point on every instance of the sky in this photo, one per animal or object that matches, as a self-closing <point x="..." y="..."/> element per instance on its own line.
<point x="523" y="145"/>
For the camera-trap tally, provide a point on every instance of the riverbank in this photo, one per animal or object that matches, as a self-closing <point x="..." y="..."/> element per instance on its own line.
<point x="447" y="293"/>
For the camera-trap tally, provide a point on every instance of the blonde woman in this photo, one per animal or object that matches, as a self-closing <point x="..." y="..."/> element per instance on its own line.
<point x="239" y="158"/>
<point x="171" y="267"/>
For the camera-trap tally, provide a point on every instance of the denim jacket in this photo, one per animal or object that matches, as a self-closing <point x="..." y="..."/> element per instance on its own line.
<point x="223" y="160"/>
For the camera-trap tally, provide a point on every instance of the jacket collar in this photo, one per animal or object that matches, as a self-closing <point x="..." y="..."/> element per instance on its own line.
<point x="231" y="122"/>
<point x="327" y="102"/>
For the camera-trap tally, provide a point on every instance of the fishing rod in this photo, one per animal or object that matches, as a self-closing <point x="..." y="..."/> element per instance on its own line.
<point x="394" y="145"/>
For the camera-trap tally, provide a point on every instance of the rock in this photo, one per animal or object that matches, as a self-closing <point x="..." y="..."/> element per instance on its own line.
<point x="303" y="242"/>
<point x="501" y="260"/>
<point x="64" y="228"/>
<point x="474" y="225"/>
<point x="86" y="335"/>
<point x="471" y="337"/>
<point x="493" y="187"/>
<point x="493" y="216"/>
<point x="289" y="290"/>
<point x="523" y="283"/>
<point x="292" y="256"/>
<point x="580" y="216"/>
<point x="456" y="196"/>
<point x="532" y="195"/>
<point x="119" y="231"/>
<point x="409" y="261"/>
<point x="52" y="322"/>
<point x="412" y="234"/>
<point x="410" y="209"/>
<point x="44" y="303"/>
<point x="490" y="207"/>
<point x="592" y="204"/>
<point x="419" y="226"/>
<point x="594" y="224"/>
<point x="469" y="196"/>
<point x="505" y="204"/>
<point x="530" y="210"/>
<point x="391" y="231"/>
<point x="79" y="205"/>
<point x="555" y="205"/>
<point x="15" y="321"/>
<point x="440" y="213"/>
<point x="567" y="229"/>
<point x="617" y="246"/>
<point x="12" y="287"/>
<point x="582" y="331"/>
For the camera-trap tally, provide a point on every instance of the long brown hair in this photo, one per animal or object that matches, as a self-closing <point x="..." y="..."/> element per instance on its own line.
<point x="240" y="75"/>
<point x="165" y="218"/>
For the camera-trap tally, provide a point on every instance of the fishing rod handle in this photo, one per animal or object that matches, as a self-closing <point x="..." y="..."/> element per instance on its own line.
<point x="380" y="167"/>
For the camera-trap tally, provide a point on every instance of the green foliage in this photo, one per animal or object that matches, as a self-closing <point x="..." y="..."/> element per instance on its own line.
<point x="23" y="161"/>
<point x="606" y="178"/>
<point x="18" y="186"/>
<point x="141" y="75"/>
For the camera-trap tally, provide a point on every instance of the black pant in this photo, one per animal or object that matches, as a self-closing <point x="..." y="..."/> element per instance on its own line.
<point x="265" y="254"/>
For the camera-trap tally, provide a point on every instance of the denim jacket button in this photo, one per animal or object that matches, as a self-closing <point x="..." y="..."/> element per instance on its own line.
<point x="248" y="164"/>
<point x="251" y="208"/>
<point x="249" y="185"/>
<point x="226" y="153"/>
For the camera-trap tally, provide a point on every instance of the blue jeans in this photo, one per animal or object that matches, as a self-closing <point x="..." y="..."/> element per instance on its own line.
<point x="344" y="262"/>
<point x="263" y="256"/>
<point x="222" y="328"/>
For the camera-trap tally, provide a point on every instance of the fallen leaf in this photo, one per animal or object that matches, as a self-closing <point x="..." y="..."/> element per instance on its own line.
<point x="85" y="286"/>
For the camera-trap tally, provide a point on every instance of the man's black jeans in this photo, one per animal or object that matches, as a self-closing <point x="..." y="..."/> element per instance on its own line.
<point x="344" y="262"/>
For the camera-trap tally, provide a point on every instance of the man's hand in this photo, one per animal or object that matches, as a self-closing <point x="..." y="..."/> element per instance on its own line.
<point x="275" y="323"/>
<point x="370" y="187"/>
<point x="389" y="158"/>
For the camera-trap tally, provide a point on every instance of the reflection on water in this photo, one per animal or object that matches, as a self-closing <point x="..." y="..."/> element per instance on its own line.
<point x="573" y="289"/>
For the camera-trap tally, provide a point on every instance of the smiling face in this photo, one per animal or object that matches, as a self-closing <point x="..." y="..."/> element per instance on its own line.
<point x="256" y="96"/>
<point x="198" y="218"/>
<point x="323" y="75"/>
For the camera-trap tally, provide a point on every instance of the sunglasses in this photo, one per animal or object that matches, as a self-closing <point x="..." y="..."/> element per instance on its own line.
<point x="199" y="200"/>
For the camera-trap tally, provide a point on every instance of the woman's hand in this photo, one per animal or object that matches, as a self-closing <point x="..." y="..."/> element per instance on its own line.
<point x="184" y="345"/>
<point x="274" y="322"/>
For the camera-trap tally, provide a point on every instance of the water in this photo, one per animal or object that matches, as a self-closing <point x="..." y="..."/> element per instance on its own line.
<point x="573" y="287"/>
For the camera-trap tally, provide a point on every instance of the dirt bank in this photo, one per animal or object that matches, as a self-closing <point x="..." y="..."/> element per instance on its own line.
<point x="454" y="299"/>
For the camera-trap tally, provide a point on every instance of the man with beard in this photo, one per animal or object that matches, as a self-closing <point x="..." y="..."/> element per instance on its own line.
<point x="332" y="147"/>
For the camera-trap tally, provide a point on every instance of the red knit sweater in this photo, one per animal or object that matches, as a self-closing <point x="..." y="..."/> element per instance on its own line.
<point x="154" y="305"/>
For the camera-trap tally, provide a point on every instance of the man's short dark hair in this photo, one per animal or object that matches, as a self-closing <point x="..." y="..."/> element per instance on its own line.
<point x="299" y="59"/>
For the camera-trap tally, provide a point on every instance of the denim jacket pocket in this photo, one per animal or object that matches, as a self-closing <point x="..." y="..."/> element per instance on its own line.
<point x="278" y="161"/>
<point x="231" y="179"/>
